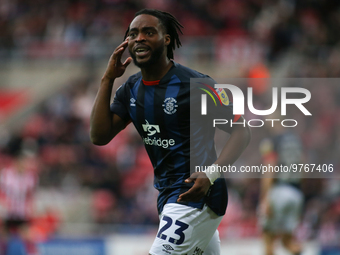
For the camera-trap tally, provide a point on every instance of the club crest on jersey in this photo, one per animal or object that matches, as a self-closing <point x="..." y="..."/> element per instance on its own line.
<point x="170" y="105"/>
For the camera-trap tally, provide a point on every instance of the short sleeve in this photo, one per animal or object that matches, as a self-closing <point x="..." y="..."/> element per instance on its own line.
<point x="119" y="105"/>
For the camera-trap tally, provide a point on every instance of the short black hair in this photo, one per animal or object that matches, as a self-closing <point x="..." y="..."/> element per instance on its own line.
<point x="171" y="25"/>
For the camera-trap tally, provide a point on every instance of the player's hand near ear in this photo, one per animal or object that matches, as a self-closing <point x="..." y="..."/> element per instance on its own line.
<point x="115" y="67"/>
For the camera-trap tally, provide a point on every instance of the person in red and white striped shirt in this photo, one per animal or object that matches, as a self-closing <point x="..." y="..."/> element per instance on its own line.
<point x="17" y="185"/>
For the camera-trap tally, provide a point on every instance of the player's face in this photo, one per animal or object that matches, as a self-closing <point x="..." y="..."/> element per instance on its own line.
<point x="147" y="40"/>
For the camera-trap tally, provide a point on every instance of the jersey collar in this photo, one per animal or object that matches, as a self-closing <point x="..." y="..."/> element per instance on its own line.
<point x="157" y="82"/>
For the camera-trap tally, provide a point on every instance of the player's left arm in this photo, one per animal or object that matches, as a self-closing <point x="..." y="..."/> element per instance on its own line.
<point x="239" y="139"/>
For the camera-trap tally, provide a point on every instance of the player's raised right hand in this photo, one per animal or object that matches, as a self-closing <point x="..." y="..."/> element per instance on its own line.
<point x="115" y="67"/>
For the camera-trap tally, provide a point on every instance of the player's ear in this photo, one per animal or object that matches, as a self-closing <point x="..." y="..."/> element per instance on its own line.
<point x="167" y="39"/>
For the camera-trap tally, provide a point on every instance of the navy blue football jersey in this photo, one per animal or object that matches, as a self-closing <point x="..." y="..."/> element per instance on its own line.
<point x="160" y="111"/>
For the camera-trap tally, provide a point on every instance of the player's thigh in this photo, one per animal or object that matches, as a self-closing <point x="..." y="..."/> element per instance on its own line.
<point x="184" y="230"/>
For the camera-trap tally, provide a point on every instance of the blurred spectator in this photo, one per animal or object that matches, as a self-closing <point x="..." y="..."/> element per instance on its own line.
<point x="17" y="186"/>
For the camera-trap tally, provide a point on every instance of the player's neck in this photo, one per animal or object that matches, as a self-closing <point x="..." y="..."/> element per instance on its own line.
<point x="157" y="71"/>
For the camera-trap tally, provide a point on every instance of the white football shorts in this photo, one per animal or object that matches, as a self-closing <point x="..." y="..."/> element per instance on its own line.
<point x="286" y="203"/>
<point x="184" y="230"/>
